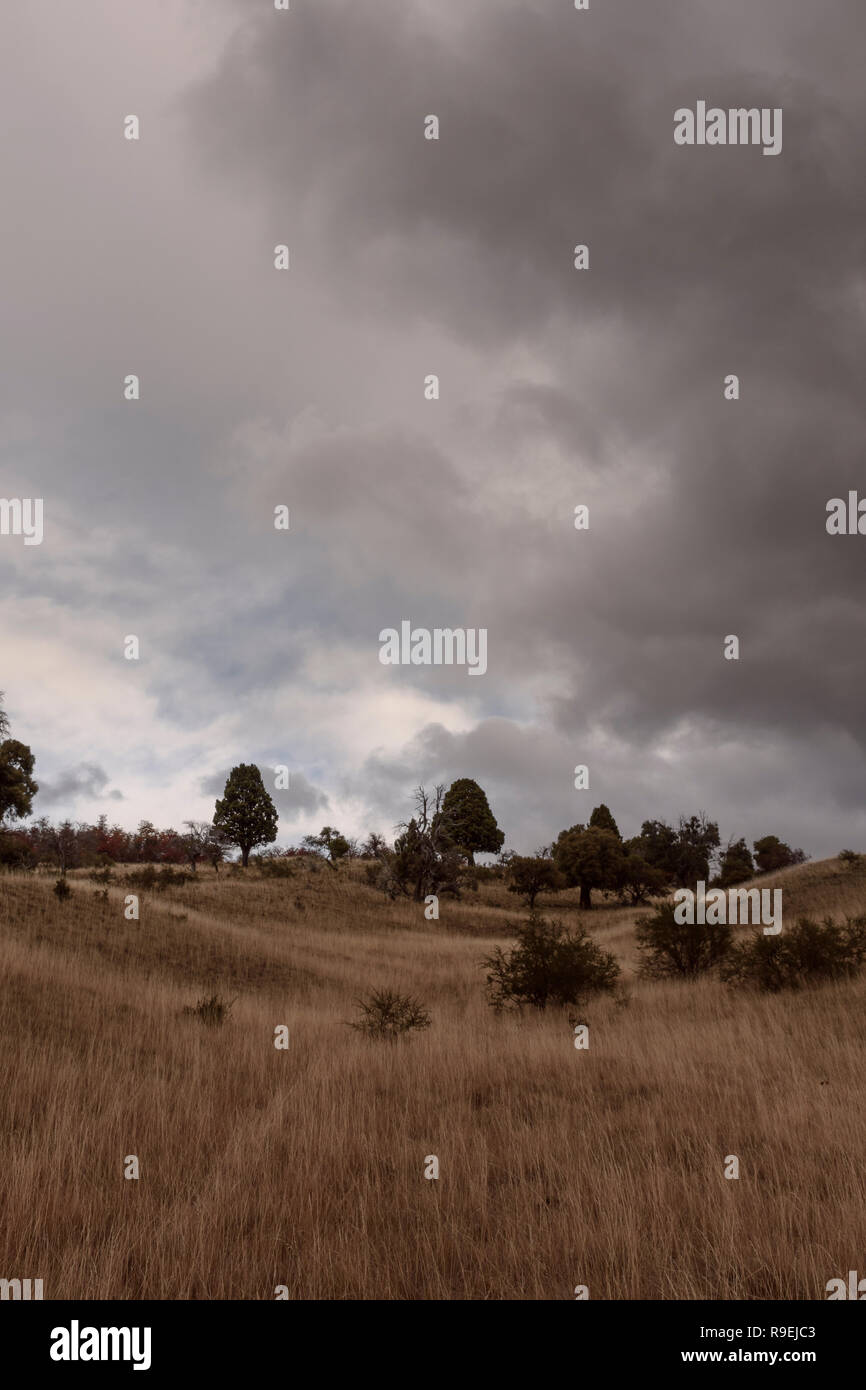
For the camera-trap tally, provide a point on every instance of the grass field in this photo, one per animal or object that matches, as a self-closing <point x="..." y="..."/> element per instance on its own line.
<point x="305" y="1167"/>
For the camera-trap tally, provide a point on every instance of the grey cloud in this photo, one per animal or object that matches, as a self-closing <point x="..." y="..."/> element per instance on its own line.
<point x="707" y="517"/>
<point x="86" y="780"/>
<point x="301" y="797"/>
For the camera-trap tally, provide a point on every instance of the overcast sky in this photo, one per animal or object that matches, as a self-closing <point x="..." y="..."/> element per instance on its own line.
<point x="559" y="387"/>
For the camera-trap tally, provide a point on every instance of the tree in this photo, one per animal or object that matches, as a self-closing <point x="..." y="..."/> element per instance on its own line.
<point x="684" y="856"/>
<point x="196" y="841"/>
<point x="64" y="846"/>
<point x="656" y="845"/>
<point x="145" y="842"/>
<point x="215" y="848"/>
<point x="330" y="843"/>
<point x="736" y="865"/>
<point x="533" y="875"/>
<point x="639" y="880"/>
<point x="424" y="859"/>
<point x="245" y="815"/>
<point x="468" y="820"/>
<point x="602" y="819"/>
<point x="589" y="858"/>
<point x="373" y="846"/>
<point x="17" y="787"/>
<point x="697" y="841"/>
<point x="771" y="854"/>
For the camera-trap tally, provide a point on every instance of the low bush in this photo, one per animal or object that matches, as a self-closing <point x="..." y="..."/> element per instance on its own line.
<point x="212" y="1011"/>
<point x="149" y="881"/>
<point x="669" y="949"/>
<point x="388" y="1014"/>
<point x="809" y="953"/>
<point x="548" y="965"/>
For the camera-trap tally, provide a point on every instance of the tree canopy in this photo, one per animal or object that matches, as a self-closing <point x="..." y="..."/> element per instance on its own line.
<point x="17" y="787"/>
<point x="245" y="815"/>
<point x="468" y="821"/>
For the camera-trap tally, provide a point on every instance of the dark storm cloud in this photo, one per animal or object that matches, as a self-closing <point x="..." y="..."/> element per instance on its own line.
<point x="558" y="387"/>
<point x="299" y="798"/>
<point x="557" y="129"/>
<point x="86" y="781"/>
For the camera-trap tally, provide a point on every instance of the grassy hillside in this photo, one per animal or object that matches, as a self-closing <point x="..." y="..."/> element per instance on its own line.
<point x="305" y="1167"/>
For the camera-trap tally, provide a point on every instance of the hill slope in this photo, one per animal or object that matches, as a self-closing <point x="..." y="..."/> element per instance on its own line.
<point x="304" y="1167"/>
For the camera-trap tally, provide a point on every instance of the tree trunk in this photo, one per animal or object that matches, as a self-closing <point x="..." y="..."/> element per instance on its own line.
<point x="245" y="854"/>
<point x="585" y="897"/>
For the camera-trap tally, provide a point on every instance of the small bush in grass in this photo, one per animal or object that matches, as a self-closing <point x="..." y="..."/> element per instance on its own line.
<point x="388" y="1014"/>
<point x="850" y="858"/>
<point x="212" y="1011"/>
<point x="150" y="881"/>
<point x="61" y="890"/>
<point x="548" y="966"/>
<point x="274" y="867"/>
<point x="810" y="953"/>
<point x="670" y="949"/>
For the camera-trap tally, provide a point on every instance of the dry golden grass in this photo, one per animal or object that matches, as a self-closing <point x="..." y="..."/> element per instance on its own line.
<point x="305" y="1167"/>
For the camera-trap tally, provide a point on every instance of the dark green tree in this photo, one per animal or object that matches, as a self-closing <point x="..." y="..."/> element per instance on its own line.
<point x="17" y="787"/>
<point x="639" y="880"/>
<point x="771" y="854"/>
<point x="330" y="843"/>
<point x="424" y="859"/>
<point x="602" y="819"/>
<point x="468" y="821"/>
<point x="531" y="876"/>
<point x="697" y="842"/>
<point x="656" y="845"/>
<point x="246" y="816"/>
<point x="736" y="864"/>
<point x="590" y="858"/>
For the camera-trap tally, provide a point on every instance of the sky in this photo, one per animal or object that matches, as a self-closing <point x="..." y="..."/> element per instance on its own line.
<point x="559" y="387"/>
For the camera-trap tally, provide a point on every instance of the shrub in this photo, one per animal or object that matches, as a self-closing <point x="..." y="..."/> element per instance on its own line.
<point x="61" y="890"/>
<point x="809" y="953"/>
<point x="213" y="1012"/>
<point x="548" y="965"/>
<point x="16" y="852"/>
<point x="531" y="876"/>
<point x="850" y="858"/>
<point x="488" y="873"/>
<point x="389" y="1014"/>
<point x="275" y="868"/>
<point x="671" y="949"/>
<point x="150" y="881"/>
